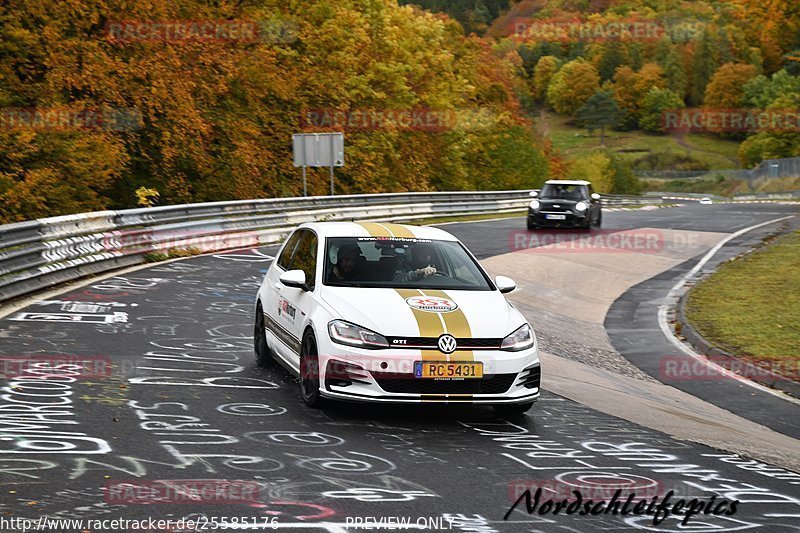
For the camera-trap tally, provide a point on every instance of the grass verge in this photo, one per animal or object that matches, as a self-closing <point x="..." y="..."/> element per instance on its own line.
<point x="573" y="142"/>
<point x="750" y="307"/>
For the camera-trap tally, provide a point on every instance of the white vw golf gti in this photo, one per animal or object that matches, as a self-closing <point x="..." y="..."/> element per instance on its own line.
<point x="382" y="312"/>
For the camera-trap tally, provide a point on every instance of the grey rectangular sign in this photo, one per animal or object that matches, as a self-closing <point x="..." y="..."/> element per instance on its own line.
<point x="318" y="149"/>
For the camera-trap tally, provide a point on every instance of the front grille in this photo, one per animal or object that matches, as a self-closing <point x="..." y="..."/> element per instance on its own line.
<point x="407" y="384"/>
<point x="557" y="212"/>
<point x="431" y="342"/>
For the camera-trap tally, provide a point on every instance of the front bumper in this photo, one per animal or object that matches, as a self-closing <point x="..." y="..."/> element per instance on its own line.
<point x="571" y="219"/>
<point x="387" y="376"/>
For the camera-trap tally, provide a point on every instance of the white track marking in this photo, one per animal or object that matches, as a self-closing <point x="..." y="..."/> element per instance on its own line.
<point x="672" y="296"/>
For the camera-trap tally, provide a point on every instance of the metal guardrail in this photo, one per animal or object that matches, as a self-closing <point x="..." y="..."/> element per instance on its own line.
<point x="786" y="195"/>
<point x="685" y="195"/>
<point x="38" y="254"/>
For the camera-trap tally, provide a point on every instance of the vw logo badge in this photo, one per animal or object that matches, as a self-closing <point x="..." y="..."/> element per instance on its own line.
<point x="447" y="344"/>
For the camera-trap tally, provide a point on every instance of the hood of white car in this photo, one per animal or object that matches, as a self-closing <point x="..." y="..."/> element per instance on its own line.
<point x="425" y="313"/>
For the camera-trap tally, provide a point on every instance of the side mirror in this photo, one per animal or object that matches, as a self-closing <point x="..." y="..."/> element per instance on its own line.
<point x="505" y="284"/>
<point x="534" y="194"/>
<point x="595" y="196"/>
<point x="294" y="278"/>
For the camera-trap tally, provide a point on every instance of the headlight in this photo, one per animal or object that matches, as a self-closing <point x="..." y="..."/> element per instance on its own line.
<point x="342" y="332"/>
<point x="581" y="206"/>
<point x="534" y="204"/>
<point x="522" y="339"/>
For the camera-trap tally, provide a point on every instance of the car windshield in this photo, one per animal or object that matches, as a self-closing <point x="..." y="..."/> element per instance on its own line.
<point x="401" y="263"/>
<point x="552" y="191"/>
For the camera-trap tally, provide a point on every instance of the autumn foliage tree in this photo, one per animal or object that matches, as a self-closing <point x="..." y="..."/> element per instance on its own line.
<point x="572" y="85"/>
<point x="631" y="87"/>
<point x="214" y="116"/>
<point x="542" y="75"/>
<point x="726" y="88"/>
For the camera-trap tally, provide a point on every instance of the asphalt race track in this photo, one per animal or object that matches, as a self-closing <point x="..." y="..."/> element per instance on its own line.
<point x="176" y="395"/>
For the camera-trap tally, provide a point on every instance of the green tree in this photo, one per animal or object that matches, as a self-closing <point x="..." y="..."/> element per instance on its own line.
<point x="614" y="55"/>
<point x="596" y="168"/>
<point x="675" y="72"/>
<point x="600" y="111"/>
<point x="637" y="55"/>
<point x="761" y="91"/>
<point x="655" y="103"/>
<point x="774" y="144"/>
<point x="704" y="64"/>
<point x="572" y="85"/>
<point x="543" y="74"/>
<point x="624" y="180"/>
<point x="608" y="172"/>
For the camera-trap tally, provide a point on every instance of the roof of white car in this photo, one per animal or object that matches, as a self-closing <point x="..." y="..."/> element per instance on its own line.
<point x="567" y="182"/>
<point x="378" y="229"/>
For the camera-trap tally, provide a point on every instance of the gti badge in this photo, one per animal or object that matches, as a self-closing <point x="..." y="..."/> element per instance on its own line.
<point x="447" y="344"/>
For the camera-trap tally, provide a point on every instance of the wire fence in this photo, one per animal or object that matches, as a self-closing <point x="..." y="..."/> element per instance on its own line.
<point x="768" y="169"/>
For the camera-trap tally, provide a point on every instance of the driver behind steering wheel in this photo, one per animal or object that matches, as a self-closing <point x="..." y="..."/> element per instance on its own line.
<point x="421" y="264"/>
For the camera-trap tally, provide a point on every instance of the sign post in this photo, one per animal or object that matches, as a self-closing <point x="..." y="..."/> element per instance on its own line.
<point x="318" y="150"/>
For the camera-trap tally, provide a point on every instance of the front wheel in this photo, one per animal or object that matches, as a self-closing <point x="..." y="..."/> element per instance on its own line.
<point x="309" y="371"/>
<point x="531" y="225"/>
<point x="599" y="222"/>
<point x="512" y="409"/>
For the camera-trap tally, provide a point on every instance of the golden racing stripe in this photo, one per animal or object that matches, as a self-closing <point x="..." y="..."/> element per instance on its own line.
<point x="428" y="323"/>
<point x="430" y="398"/>
<point x="398" y="230"/>
<point x="375" y="230"/>
<point x="457" y="325"/>
<point x="386" y="229"/>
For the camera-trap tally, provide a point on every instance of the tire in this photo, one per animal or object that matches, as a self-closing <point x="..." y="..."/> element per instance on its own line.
<point x="512" y="409"/>
<point x="531" y="225"/>
<point x="599" y="222"/>
<point x="309" y="371"/>
<point x="263" y="354"/>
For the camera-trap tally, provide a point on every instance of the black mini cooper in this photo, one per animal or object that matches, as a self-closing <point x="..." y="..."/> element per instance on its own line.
<point x="565" y="204"/>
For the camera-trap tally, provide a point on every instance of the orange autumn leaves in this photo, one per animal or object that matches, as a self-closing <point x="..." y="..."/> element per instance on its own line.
<point x="212" y="118"/>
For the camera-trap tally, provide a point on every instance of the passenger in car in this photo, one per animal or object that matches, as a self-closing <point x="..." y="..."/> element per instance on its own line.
<point x="346" y="263"/>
